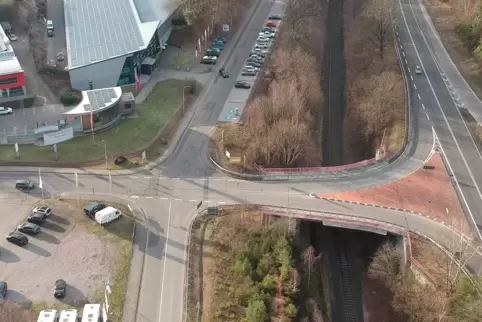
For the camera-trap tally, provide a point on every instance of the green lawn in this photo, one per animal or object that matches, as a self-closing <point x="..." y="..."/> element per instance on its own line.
<point x="128" y="136"/>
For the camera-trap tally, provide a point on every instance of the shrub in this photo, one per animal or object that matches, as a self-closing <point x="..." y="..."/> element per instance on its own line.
<point x="468" y="34"/>
<point x="256" y="312"/>
<point x="290" y="310"/>
<point x="70" y="98"/>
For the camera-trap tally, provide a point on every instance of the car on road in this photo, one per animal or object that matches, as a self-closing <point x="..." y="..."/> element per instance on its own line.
<point x="209" y="60"/>
<point x="242" y="84"/>
<point x="44" y="210"/>
<point x="223" y="73"/>
<point x="28" y="228"/>
<point x="275" y="17"/>
<point x="418" y="70"/>
<point x="50" y="28"/>
<point x="17" y="239"/>
<point x="36" y="218"/>
<point x="270" y="24"/>
<point x="59" y="288"/>
<point x="5" y="110"/>
<point x="3" y="290"/>
<point x="24" y="185"/>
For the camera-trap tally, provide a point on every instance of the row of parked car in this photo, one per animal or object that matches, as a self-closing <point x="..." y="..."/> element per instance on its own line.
<point x="212" y="53"/>
<point x="259" y="52"/>
<point x="30" y="227"/>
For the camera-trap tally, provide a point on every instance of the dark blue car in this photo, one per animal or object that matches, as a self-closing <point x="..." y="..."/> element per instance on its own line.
<point x="218" y="44"/>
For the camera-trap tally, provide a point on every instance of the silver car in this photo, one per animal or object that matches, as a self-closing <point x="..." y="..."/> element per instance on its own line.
<point x="418" y="70"/>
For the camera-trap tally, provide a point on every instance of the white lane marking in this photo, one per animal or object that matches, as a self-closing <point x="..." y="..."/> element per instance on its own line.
<point x="398" y="39"/>
<point x="445" y="118"/>
<point x="403" y="53"/>
<point x="401" y="47"/>
<point x="165" y="261"/>
<point x="428" y="118"/>
<point x="397" y="33"/>
<point x="135" y="197"/>
<point x="217" y="179"/>
<point x="147" y="177"/>
<point x="207" y="201"/>
<point x="408" y="69"/>
<point x="221" y="202"/>
<point x="419" y="96"/>
<point x="177" y="199"/>
<point x="411" y="77"/>
<point x="406" y="62"/>
<point x="162" y="198"/>
<point x="175" y="178"/>
<point x="162" y="178"/>
<point x="423" y="106"/>
<point x="149" y="197"/>
<point x="133" y="177"/>
<point x="415" y="86"/>
<point x="192" y="200"/>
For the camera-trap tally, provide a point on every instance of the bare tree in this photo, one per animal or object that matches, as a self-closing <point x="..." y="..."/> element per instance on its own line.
<point x="10" y="312"/>
<point x="385" y="265"/>
<point x="310" y="258"/>
<point x="380" y="14"/>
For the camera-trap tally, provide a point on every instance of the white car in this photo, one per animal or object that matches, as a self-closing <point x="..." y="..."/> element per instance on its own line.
<point x="418" y="70"/>
<point x="44" y="210"/>
<point x="263" y="39"/>
<point x="5" y="110"/>
<point x="261" y="46"/>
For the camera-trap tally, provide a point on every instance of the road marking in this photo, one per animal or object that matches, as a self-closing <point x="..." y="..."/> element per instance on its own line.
<point x="133" y="177"/>
<point x="419" y="96"/>
<point x="147" y="177"/>
<point x="406" y="62"/>
<point x="175" y="178"/>
<point x="221" y="202"/>
<point x="415" y="86"/>
<point x="192" y="200"/>
<point x="403" y="53"/>
<point x="217" y="179"/>
<point x="165" y="261"/>
<point x="408" y="69"/>
<point x="401" y="47"/>
<point x="135" y="197"/>
<point x="162" y="178"/>
<point x="411" y="77"/>
<point x="149" y="197"/>
<point x="428" y="118"/>
<point x="398" y="39"/>
<point x="177" y="199"/>
<point x="207" y="201"/>
<point x="162" y="198"/>
<point x="423" y="106"/>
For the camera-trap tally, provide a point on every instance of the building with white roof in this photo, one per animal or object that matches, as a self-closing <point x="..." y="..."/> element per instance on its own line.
<point x="12" y="78"/>
<point x="108" y="39"/>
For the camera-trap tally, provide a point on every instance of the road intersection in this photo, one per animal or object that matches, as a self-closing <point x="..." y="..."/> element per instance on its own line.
<point x="169" y="193"/>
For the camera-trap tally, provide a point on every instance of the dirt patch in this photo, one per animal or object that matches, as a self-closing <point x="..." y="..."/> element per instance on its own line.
<point x="445" y="17"/>
<point x="377" y="301"/>
<point x="426" y="191"/>
<point x="72" y="247"/>
<point x="374" y="120"/>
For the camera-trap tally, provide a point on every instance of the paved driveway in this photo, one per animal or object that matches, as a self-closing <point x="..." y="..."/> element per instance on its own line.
<point x="25" y="119"/>
<point x="57" y="43"/>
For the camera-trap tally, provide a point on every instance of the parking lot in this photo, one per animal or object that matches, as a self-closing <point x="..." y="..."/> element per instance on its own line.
<point x="27" y="119"/>
<point x="70" y="246"/>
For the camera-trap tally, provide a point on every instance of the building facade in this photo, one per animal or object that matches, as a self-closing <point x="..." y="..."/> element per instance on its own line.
<point x="12" y="78"/>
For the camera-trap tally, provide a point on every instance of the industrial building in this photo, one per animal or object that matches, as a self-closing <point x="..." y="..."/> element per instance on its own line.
<point x="12" y="78"/>
<point x="110" y="41"/>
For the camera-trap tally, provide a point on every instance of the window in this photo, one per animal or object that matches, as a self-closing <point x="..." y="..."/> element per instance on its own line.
<point x="16" y="91"/>
<point x="8" y="81"/>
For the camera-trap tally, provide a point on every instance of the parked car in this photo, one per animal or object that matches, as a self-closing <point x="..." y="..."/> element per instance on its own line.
<point x="256" y="56"/>
<point x="213" y="52"/>
<point x="5" y="110"/>
<point x="44" y="210"/>
<point x="254" y="64"/>
<point x="36" y="219"/>
<point x="17" y="239"/>
<point x="249" y="67"/>
<point x="268" y="34"/>
<point x="223" y="73"/>
<point x="92" y="208"/>
<point x="254" y="60"/>
<point x="418" y="70"/>
<point x="209" y="60"/>
<point x="223" y="39"/>
<point x="270" y="24"/>
<point x="59" y="288"/>
<point x="12" y="36"/>
<point x="248" y="73"/>
<point x="50" y="28"/>
<point x="275" y="17"/>
<point x="260" y="52"/>
<point x="29" y="228"/>
<point x="3" y="290"/>
<point x="241" y="84"/>
<point x="268" y="29"/>
<point x="24" y="185"/>
<point x="261" y="46"/>
<point x="218" y="44"/>
<point x="107" y="215"/>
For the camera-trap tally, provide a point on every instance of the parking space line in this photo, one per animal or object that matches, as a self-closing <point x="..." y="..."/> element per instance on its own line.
<point x="192" y="200"/>
<point x="423" y="106"/>
<point x="415" y="86"/>
<point x="177" y="199"/>
<point x="149" y="197"/>
<point x="162" y="198"/>
<point x="135" y="197"/>
<point x="428" y="118"/>
<point x="419" y="97"/>
<point x="147" y="177"/>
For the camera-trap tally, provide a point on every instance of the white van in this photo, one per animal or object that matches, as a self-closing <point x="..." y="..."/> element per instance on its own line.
<point x="47" y="316"/>
<point x="107" y="215"/>
<point x="91" y="313"/>
<point x="70" y="315"/>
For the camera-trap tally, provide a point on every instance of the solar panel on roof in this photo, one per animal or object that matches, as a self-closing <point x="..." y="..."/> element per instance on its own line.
<point x="100" y="29"/>
<point x="6" y="55"/>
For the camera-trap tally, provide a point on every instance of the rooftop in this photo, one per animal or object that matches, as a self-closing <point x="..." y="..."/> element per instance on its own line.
<point x="8" y="61"/>
<point x="96" y="101"/>
<point x="98" y="30"/>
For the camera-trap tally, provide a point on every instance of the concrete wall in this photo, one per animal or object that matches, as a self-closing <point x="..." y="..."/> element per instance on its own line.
<point x="103" y="74"/>
<point x="400" y="245"/>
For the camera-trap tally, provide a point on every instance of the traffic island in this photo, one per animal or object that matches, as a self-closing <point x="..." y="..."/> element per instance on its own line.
<point x="427" y="191"/>
<point x="73" y="247"/>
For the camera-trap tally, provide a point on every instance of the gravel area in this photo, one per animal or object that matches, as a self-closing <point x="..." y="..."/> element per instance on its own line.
<point x="70" y="246"/>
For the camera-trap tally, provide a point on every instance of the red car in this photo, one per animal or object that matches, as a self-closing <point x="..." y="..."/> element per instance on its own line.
<point x="270" y="24"/>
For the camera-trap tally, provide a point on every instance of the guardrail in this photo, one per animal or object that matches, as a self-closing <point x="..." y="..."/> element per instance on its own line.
<point x="271" y="174"/>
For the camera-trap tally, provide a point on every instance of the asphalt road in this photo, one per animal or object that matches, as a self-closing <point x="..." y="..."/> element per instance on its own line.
<point x="168" y="194"/>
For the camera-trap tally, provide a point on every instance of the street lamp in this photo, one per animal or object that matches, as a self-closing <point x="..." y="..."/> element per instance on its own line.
<point x="105" y="152"/>
<point x="187" y="86"/>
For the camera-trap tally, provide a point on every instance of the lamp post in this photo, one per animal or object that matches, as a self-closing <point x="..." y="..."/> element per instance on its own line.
<point x="183" y="91"/>
<point x="105" y="153"/>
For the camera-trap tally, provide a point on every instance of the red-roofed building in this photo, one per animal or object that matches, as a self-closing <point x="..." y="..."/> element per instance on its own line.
<point x="12" y="78"/>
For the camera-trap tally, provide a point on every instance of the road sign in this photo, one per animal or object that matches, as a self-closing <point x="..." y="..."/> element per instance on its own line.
<point x="225" y="27"/>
